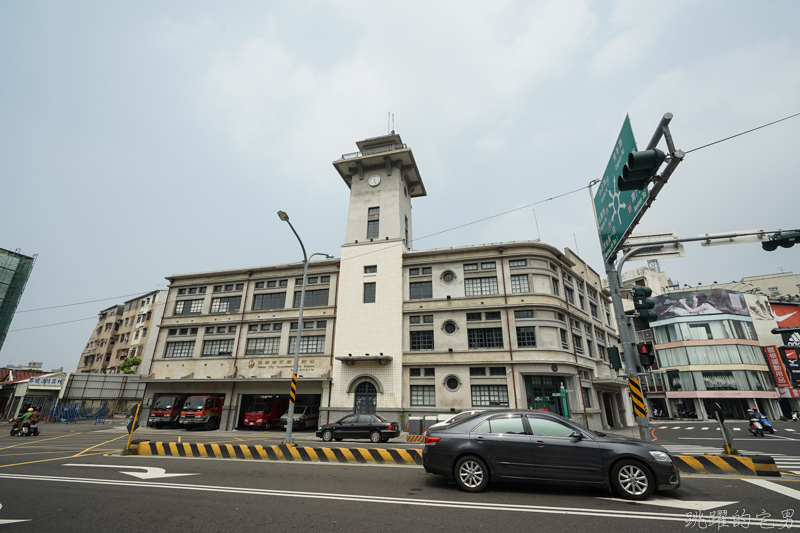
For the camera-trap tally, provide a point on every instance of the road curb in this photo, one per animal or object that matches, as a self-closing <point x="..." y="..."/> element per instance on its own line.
<point x="280" y="453"/>
<point x="731" y="465"/>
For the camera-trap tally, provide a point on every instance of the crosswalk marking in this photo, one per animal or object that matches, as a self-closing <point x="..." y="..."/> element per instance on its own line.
<point x="737" y="429"/>
<point x="787" y="429"/>
<point x="690" y="427"/>
<point x="704" y="429"/>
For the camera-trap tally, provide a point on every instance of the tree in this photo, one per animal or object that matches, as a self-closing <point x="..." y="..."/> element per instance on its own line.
<point x="128" y="363"/>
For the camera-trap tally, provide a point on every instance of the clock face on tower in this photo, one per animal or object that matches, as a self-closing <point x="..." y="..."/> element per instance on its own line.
<point x="374" y="180"/>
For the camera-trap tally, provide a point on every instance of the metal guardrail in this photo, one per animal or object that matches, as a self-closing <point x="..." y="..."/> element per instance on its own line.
<point x="378" y="150"/>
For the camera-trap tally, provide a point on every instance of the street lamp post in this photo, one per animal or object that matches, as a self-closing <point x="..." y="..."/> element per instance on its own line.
<point x="293" y="392"/>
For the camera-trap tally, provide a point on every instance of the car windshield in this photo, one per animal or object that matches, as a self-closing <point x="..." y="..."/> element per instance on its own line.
<point x="258" y="408"/>
<point x="165" y="402"/>
<point x="195" y="403"/>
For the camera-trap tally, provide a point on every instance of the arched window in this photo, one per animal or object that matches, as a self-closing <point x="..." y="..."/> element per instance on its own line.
<point x="366" y="398"/>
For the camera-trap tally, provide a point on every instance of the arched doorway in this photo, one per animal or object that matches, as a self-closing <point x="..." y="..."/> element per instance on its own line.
<point x="366" y="398"/>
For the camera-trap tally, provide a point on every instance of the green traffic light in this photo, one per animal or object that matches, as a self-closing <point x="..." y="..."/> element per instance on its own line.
<point x="642" y="304"/>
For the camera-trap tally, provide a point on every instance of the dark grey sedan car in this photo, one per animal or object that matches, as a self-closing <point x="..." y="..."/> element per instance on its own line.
<point x="542" y="447"/>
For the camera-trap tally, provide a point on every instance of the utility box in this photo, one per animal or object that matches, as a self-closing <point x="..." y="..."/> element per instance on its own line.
<point x="415" y="425"/>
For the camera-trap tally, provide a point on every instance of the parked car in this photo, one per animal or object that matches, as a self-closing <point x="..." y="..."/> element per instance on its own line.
<point x="543" y="447"/>
<point x="455" y="418"/>
<point x="305" y="416"/>
<point x="360" y="426"/>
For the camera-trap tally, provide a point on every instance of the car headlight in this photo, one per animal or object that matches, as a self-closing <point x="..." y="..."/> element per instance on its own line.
<point x="661" y="456"/>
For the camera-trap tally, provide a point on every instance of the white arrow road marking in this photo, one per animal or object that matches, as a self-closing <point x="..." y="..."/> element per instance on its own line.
<point x="10" y="521"/>
<point x="151" y="472"/>
<point x="663" y="501"/>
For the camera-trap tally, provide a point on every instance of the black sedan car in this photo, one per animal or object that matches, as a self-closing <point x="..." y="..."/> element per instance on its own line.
<point x="542" y="447"/>
<point x="360" y="426"/>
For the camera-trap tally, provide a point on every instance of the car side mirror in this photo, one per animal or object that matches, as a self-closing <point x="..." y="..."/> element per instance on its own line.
<point x="577" y="434"/>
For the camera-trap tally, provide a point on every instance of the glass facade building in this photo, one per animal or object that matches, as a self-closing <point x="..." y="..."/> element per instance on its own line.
<point x="15" y="269"/>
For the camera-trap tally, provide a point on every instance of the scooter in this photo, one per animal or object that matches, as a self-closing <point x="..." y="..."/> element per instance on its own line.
<point x="765" y="422"/>
<point x="20" y="429"/>
<point x="755" y="426"/>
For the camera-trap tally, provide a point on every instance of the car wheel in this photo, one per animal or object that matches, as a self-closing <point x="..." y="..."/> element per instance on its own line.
<point x="632" y="480"/>
<point x="267" y="425"/>
<point x="471" y="474"/>
<point x="375" y="437"/>
<point x="327" y="435"/>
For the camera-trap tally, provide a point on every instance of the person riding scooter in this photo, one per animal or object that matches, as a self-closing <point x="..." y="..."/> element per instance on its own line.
<point x="764" y="420"/>
<point x="755" y="427"/>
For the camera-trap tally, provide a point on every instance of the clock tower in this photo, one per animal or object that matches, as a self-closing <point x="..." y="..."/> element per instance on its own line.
<point x="368" y="349"/>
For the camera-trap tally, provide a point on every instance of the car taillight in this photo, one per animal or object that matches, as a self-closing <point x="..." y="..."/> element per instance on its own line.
<point x="431" y="441"/>
<point x="392" y="427"/>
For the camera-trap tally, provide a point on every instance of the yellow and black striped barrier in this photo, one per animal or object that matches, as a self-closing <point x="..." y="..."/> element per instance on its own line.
<point x="293" y="391"/>
<point x="730" y="465"/>
<point x="637" y="398"/>
<point x="281" y="453"/>
<point x="415" y="438"/>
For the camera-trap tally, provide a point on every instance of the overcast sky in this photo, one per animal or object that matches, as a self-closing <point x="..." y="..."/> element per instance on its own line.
<point x="144" y="139"/>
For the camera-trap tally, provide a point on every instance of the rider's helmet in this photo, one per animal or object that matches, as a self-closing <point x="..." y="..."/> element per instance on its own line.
<point x="30" y="410"/>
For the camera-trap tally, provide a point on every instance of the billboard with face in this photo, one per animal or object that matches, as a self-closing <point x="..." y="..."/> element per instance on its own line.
<point x="703" y="302"/>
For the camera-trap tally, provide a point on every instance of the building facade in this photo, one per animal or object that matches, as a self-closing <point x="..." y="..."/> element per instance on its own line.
<point x="394" y="330"/>
<point x="124" y="331"/>
<point x="15" y="269"/>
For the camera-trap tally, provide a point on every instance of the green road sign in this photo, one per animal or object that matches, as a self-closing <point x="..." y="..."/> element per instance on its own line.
<point x="616" y="209"/>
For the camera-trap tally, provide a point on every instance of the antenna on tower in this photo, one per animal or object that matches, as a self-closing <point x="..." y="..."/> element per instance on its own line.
<point x="392" y="123"/>
<point x="388" y="122"/>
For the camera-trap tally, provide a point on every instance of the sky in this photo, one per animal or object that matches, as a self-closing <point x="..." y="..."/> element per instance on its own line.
<point x="144" y="139"/>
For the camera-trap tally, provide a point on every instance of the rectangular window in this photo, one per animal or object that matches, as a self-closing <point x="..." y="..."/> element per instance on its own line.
<point x="181" y="291"/>
<point x="523" y="314"/>
<point x="587" y="397"/>
<point x="420" y="290"/>
<point x="310" y="344"/>
<point x="427" y="319"/>
<point x="423" y="395"/>
<point x="489" y="396"/>
<point x="477" y="371"/>
<point x="519" y="283"/>
<point x="493" y="315"/>
<point x="222" y="329"/>
<point x="578" y="343"/>
<point x="470" y="266"/>
<point x="369" y="293"/>
<point x="589" y="348"/>
<point x="263" y="346"/>
<point x="274" y="300"/>
<point x="430" y="372"/>
<point x="252" y="327"/>
<point x="488" y="266"/>
<point x="372" y="229"/>
<point x="277" y="327"/>
<point x="231" y="329"/>
<point x="259" y="285"/>
<point x="188" y="307"/>
<point x="773" y="291"/>
<point x="473" y="317"/>
<point x="602" y="351"/>
<point x="217" y="288"/>
<point x="570" y="295"/>
<point x="215" y="348"/>
<point x="209" y="331"/>
<point x="264" y="327"/>
<point x="322" y="323"/>
<point x="324" y="279"/>
<point x="193" y="290"/>
<point x="413" y="272"/>
<point x="426" y="271"/>
<point x="415" y="372"/>
<point x="370" y="269"/>
<point x="240" y="286"/>
<point x="229" y="287"/>
<point x="414" y="319"/>
<point x="373" y="210"/>
<point x="485" y="338"/>
<point x="283" y="283"/>
<point x="229" y="304"/>
<point x="179" y="349"/>
<point x="184" y="331"/>
<point x="518" y="263"/>
<point x="480" y="286"/>
<point x="526" y="337"/>
<point x="317" y="298"/>
<point x="173" y="332"/>
<point x="555" y="287"/>
<point x="593" y="309"/>
<point x="564" y="343"/>
<point x="312" y="281"/>
<point x="421" y="340"/>
<point x="272" y="284"/>
<point x="497" y="371"/>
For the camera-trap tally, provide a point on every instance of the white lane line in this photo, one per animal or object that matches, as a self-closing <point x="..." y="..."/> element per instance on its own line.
<point x="704" y="429"/>
<point x="787" y="429"/>
<point x="691" y="427"/>
<point x="361" y="499"/>
<point x="775" y="487"/>
<point x="677" y="427"/>
<point x="665" y="501"/>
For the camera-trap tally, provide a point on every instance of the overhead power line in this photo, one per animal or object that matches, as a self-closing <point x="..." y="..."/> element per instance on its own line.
<point x="742" y="133"/>
<point x="81" y="303"/>
<point x="56" y="324"/>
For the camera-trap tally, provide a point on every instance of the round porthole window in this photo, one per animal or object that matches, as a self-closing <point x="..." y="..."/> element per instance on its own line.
<point x="448" y="276"/>
<point x="452" y="383"/>
<point x="449" y="327"/>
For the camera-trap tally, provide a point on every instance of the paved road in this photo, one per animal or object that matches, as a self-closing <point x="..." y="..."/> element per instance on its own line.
<point x="232" y="495"/>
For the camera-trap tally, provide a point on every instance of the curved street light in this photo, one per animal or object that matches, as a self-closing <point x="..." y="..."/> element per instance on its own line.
<point x="293" y="392"/>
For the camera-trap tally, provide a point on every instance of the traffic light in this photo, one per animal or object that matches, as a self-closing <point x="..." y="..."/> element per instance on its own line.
<point x="640" y="168"/>
<point x="646" y="355"/>
<point x="642" y="304"/>
<point x="613" y="357"/>
<point x="785" y="239"/>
